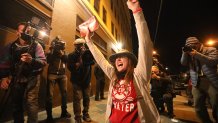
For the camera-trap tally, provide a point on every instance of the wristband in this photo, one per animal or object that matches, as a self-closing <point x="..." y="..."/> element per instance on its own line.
<point x="137" y="10"/>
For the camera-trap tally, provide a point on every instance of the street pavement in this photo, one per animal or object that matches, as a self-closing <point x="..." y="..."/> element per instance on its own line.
<point x="184" y="113"/>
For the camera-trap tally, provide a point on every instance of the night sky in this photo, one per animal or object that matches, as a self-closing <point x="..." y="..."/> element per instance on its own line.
<point x="179" y="19"/>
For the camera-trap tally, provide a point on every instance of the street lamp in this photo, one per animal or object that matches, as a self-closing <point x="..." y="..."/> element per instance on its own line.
<point x="211" y="42"/>
<point x="167" y="68"/>
<point x="43" y="33"/>
<point x="154" y="52"/>
<point x="117" y="46"/>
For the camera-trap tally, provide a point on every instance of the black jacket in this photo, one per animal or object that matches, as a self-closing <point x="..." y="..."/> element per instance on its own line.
<point x="99" y="73"/>
<point x="81" y="75"/>
<point x="161" y="87"/>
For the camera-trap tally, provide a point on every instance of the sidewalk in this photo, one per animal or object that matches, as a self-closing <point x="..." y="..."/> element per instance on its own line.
<point x="185" y="114"/>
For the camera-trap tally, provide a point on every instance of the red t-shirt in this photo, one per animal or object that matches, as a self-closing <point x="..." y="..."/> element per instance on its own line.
<point x="124" y="107"/>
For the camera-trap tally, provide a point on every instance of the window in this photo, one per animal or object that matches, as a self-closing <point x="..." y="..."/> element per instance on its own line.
<point x="48" y="3"/>
<point x="100" y="42"/>
<point x="112" y="5"/>
<point x="12" y="9"/>
<point x="124" y="45"/>
<point x="121" y="25"/>
<point x="79" y="20"/>
<point x="116" y="33"/>
<point x="112" y="28"/>
<point x="115" y="13"/>
<point x="113" y="51"/>
<point x="104" y="15"/>
<point x="118" y="19"/>
<point x="14" y="12"/>
<point x="118" y="37"/>
<point x="105" y="55"/>
<point x="96" y="5"/>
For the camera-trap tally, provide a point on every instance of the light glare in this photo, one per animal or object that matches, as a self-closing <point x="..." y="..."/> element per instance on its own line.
<point x="154" y="52"/>
<point x="119" y="45"/>
<point x="43" y="33"/>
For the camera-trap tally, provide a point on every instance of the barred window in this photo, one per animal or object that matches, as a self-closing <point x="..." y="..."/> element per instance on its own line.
<point x="100" y="42"/>
<point x="112" y="28"/>
<point x="96" y="5"/>
<point x="104" y="15"/>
